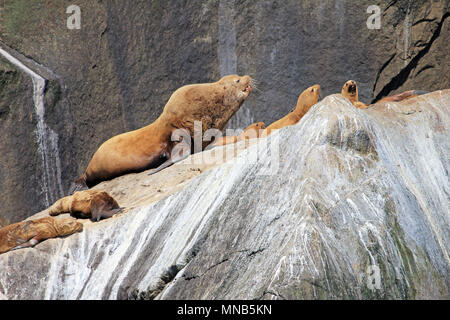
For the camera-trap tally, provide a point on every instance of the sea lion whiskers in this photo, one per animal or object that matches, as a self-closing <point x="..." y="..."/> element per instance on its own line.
<point x="255" y="88"/>
<point x="254" y="84"/>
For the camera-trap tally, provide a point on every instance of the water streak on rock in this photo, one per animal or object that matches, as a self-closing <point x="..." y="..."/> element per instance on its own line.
<point x="47" y="138"/>
<point x="228" y="58"/>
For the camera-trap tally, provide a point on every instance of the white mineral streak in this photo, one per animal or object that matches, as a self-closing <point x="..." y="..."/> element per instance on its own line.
<point x="228" y="58"/>
<point x="47" y="138"/>
<point x="354" y="189"/>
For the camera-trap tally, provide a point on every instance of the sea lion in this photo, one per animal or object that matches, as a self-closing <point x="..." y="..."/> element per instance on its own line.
<point x="211" y="103"/>
<point x="94" y="204"/>
<point x="305" y="101"/>
<point x="350" y="91"/>
<point x="30" y="232"/>
<point x="253" y="131"/>
<point x="403" y="96"/>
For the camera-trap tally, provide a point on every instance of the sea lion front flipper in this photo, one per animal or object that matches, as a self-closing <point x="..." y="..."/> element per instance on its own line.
<point x="104" y="214"/>
<point x="102" y="210"/>
<point x="180" y="152"/>
<point x="168" y="163"/>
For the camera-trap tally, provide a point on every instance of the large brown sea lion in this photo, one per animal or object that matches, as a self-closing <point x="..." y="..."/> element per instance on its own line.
<point x="94" y="204"/>
<point x="30" y="232"/>
<point x="253" y="131"/>
<point x="350" y="91"/>
<point x="305" y="101"/>
<point x="211" y="103"/>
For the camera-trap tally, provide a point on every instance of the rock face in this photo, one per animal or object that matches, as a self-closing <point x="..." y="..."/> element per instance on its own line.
<point x="352" y="204"/>
<point x="116" y="73"/>
<point x="17" y="142"/>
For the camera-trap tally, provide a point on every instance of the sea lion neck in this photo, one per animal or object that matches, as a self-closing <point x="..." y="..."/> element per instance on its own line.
<point x="299" y="111"/>
<point x="161" y="123"/>
<point x="353" y="98"/>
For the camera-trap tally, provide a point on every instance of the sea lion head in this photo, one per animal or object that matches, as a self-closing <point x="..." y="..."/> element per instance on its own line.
<point x="309" y="97"/>
<point x="256" y="126"/>
<point x="67" y="226"/>
<point x="253" y="131"/>
<point x="350" y="90"/>
<point x="260" y="125"/>
<point x="237" y="86"/>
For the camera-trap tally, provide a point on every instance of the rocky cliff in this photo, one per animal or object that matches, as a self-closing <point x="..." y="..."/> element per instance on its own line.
<point x="116" y="72"/>
<point x="347" y="204"/>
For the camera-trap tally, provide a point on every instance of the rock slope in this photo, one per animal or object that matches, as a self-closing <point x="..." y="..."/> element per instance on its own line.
<point x="347" y="204"/>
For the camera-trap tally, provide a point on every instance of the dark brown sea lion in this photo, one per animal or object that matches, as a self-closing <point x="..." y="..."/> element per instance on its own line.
<point x="403" y="96"/>
<point x="211" y="103"/>
<point x="30" y="232"/>
<point x="94" y="204"/>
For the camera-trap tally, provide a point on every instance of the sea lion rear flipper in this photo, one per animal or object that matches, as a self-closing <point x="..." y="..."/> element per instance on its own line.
<point x="30" y="243"/>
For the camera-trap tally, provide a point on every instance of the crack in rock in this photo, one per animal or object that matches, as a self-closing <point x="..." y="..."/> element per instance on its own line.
<point x="397" y="81"/>
<point x="165" y="279"/>
<point x="250" y="253"/>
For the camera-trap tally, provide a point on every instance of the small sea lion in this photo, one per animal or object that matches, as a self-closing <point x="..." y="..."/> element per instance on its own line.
<point x="211" y="103"/>
<point x="30" y="232"/>
<point x="93" y="204"/>
<point x="253" y="131"/>
<point x="350" y="91"/>
<point x="305" y="101"/>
